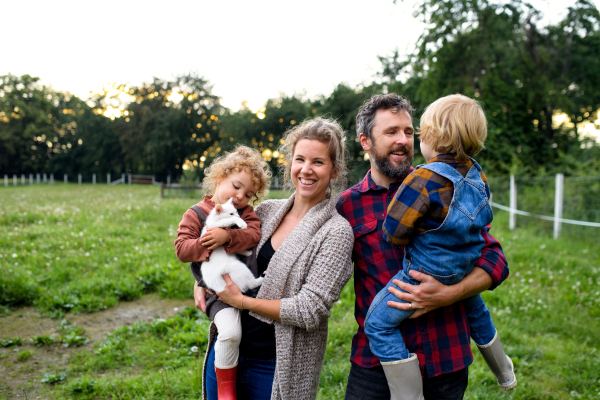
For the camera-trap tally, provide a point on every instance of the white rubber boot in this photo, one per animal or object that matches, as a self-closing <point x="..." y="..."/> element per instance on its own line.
<point x="404" y="379"/>
<point x="500" y="364"/>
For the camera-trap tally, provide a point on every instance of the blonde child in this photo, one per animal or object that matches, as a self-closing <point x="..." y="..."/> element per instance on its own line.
<point x="242" y="176"/>
<point x="437" y="215"/>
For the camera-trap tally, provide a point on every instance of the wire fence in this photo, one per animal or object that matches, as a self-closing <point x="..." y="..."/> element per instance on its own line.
<point x="537" y="203"/>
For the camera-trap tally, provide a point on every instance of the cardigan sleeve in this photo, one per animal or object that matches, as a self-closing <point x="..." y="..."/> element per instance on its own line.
<point x="330" y="271"/>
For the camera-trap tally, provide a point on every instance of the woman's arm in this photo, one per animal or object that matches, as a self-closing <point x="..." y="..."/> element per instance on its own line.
<point x="233" y="296"/>
<point x="330" y="271"/>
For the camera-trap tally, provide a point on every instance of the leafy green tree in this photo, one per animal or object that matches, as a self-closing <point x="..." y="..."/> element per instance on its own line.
<point x="521" y="72"/>
<point x="28" y="124"/>
<point x="87" y="142"/>
<point x="264" y="130"/>
<point x="164" y="124"/>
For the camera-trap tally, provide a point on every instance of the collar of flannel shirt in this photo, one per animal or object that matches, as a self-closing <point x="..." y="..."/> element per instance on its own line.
<point x="369" y="184"/>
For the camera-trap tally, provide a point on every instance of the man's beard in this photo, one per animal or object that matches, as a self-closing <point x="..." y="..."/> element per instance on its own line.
<point x="387" y="168"/>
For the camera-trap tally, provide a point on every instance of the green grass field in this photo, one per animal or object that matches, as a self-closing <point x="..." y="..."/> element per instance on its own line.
<point x="68" y="250"/>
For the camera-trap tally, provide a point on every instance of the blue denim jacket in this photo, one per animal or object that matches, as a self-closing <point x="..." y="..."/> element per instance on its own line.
<point x="449" y="252"/>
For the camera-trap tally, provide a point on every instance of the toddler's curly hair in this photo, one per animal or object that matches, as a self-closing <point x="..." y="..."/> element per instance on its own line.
<point x="242" y="159"/>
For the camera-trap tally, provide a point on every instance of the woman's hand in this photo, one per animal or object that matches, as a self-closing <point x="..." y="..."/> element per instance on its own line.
<point x="232" y="294"/>
<point x="215" y="237"/>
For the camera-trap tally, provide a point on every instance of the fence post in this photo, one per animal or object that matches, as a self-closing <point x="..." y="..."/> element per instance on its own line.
<point x="79" y="179"/>
<point x="108" y="179"/>
<point x="558" y="204"/>
<point x="23" y="179"/>
<point x="65" y="178"/>
<point x="31" y="179"/>
<point x="513" y="203"/>
<point x="5" y="180"/>
<point x="129" y="177"/>
<point x="45" y="178"/>
<point x="122" y="178"/>
<point x="153" y="180"/>
<point x="168" y="180"/>
<point x="37" y="178"/>
<point x="52" y="178"/>
<point x="14" y="180"/>
<point x="93" y="179"/>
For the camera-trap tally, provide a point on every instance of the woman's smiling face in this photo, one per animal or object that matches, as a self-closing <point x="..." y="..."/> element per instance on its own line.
<point x="312" y="169"/>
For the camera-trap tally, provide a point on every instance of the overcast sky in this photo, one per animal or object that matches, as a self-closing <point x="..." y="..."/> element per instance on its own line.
<point x="249" y="50"/>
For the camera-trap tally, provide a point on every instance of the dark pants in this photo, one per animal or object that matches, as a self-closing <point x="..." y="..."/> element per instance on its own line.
<point x="370" y="384"/>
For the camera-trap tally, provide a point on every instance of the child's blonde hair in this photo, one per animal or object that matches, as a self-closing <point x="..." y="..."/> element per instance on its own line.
<point x="454" y="124"/>
<point x="242" y="159"/>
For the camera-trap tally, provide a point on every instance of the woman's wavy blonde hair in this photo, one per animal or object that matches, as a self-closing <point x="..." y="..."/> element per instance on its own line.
<point x="242" y="159"/>
<point x="324" y="130"/>
<point x="454" y="124"/>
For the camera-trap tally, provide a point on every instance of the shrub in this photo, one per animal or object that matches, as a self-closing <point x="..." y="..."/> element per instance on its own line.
<point x="16" y="341"/>
<point x="24" y="355"/>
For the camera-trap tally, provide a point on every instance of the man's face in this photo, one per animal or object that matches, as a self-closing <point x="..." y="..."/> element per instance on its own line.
<point x="391" y="146"/>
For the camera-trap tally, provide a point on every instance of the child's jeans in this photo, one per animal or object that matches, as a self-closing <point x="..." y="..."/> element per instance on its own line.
<point x="382" y="324"/>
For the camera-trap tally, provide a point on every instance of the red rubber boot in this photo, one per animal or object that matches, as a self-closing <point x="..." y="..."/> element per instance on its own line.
<point x="226" y="383"/>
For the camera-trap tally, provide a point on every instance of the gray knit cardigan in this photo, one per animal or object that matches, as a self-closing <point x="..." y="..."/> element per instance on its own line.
<point x="307" y="272"/>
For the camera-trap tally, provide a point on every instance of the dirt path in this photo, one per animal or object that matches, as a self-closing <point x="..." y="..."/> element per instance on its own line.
<point x="21" y="379"/>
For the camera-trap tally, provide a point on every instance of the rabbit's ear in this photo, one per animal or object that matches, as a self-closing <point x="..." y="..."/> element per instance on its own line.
<point x="218" y="209"/>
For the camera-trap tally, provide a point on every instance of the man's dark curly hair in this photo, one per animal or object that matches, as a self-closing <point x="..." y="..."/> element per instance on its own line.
<point x="365" y="119"/>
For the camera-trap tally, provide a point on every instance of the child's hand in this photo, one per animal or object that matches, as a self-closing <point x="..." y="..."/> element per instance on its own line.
<point x="215" y="237"/>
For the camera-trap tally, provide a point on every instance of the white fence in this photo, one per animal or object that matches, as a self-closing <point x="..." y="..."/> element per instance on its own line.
<point x="579" y="197"/>
<point x="49" y="179"/>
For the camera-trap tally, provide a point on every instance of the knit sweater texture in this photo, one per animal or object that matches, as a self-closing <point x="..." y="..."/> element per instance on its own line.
<point x="307" y="272"/>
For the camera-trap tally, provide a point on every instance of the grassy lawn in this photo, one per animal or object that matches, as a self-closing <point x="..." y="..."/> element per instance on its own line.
<point x="67" y="250"/>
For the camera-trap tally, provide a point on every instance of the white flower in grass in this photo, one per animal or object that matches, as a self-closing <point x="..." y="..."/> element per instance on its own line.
<point x="543" y="246"/>
<point x="194" y="349"/>
<point x="87" y="254"/>
<point x="14" y="255"/>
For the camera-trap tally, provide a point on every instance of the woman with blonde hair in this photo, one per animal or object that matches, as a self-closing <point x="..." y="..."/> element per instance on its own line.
<point x="305" y="253"/>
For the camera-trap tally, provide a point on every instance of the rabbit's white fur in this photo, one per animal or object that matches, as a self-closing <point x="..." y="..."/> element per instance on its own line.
<point x="221" y="263"/>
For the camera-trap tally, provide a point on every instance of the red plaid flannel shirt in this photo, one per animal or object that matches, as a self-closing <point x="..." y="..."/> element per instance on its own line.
<point x="441" y="338"/>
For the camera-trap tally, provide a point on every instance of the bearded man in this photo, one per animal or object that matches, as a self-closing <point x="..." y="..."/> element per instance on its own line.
<point x="438" y="332"/>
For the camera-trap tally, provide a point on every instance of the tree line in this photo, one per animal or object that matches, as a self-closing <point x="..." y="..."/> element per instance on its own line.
<point x="524" y="74"/>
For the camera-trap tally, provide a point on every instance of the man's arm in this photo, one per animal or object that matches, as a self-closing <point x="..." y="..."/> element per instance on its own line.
<point x="491" y="269"/>
<point x="431" y="294"/>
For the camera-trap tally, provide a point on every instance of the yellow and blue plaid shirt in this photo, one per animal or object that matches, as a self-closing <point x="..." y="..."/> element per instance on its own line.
<point x="422" y="201"/>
